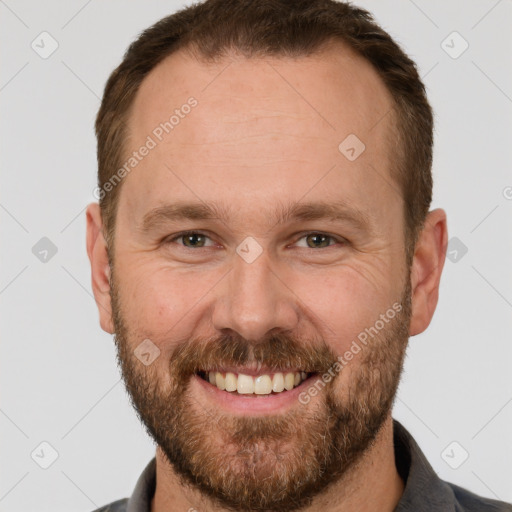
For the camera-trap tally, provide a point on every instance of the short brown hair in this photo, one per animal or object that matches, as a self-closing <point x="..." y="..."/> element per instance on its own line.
<point x="294" y="28"/>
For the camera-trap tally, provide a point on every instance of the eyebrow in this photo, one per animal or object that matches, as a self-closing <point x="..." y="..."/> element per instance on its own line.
<point x="337" y="211"/>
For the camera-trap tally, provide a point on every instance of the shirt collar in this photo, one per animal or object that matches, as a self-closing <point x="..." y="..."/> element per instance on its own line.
<point x="140" y="500"/>
<point x="424" y="490"/>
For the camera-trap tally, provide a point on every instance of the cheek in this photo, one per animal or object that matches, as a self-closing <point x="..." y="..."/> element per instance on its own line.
<point x="168" y="304"/>
<point x="345" y="302"/>
<point x="159" y="303"/>
<point x="145" y="304"/>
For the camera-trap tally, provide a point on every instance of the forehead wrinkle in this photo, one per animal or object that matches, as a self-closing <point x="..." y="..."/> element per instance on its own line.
<point x="282" y="214"/>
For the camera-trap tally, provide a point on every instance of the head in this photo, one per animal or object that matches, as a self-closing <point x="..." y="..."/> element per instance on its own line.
<point x="293" y="142"/>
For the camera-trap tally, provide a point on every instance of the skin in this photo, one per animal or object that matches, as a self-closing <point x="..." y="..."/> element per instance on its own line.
<point x="266" y="131"/>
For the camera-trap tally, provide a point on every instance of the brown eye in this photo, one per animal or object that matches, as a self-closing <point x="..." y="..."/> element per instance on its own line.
<point x="318" y="240"/>
<point x="315" y="240"/>
<point x="191" y="239"/>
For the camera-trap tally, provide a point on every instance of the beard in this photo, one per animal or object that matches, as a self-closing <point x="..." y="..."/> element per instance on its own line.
<point x="276" y="461"/>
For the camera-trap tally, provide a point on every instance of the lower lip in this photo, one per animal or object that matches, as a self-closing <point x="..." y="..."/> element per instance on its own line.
<point x="252" y="404"/>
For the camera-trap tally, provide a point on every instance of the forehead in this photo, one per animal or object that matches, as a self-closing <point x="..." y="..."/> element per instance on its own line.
<point x="262" y="125"/>
<point x="335" y="87"/>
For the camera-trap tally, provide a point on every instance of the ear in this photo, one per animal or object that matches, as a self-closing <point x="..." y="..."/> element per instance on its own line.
<point x="427" y="266"/>
<point x="100" y="269"/>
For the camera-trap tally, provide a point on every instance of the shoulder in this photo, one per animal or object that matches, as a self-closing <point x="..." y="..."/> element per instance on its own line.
<point x="424" y="490"/>
<point x="470" y="502"/>
<point x="115" y="506"/>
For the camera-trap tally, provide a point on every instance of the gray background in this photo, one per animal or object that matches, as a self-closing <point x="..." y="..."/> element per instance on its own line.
<point x="59" y="380"/>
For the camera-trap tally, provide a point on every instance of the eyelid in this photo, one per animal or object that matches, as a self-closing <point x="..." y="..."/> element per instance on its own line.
<point x="174" y="237"/>
<point x="336" y="238"/>
<point x="297" y="237"/>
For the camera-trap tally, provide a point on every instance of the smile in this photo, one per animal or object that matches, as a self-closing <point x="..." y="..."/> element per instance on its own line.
<point x="260" y="384"/>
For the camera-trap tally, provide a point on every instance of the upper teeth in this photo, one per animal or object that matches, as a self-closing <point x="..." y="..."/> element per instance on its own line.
<point x="259" y="385"/>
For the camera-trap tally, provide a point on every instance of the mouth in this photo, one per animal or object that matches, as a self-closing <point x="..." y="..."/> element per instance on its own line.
<point x="255" y="384"/>
<point x="251" y="392"/>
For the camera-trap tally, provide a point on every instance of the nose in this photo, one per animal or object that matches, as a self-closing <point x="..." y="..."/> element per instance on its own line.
<point x="255" y="299"/>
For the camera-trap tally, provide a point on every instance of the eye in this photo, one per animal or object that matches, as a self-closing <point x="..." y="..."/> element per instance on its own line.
<point x="197" y="240"/>
<point x="191" y="239"/>
<point x="319" y="240"/>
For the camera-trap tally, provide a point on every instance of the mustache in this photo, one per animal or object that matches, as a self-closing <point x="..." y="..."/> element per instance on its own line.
<point x="274" y="352"/>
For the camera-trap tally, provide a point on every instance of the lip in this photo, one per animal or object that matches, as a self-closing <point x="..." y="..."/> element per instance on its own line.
<point x="249" y="405"/>
<point x="252" y="371"/>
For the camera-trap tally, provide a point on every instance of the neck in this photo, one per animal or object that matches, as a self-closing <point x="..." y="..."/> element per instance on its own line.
<point x="372" y="485"/>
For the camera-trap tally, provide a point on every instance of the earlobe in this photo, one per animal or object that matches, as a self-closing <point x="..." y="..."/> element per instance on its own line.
<point x="100" y="268"/>
<point x="427" y="267"/>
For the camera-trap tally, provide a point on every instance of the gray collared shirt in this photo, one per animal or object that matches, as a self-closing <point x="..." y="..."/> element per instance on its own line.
<point x="424" y="490"/>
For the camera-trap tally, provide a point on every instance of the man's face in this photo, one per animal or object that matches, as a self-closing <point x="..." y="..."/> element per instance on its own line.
<point x="249" y="291"/>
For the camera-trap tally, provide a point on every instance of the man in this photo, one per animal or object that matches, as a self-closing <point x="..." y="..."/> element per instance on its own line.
<point x="263" y="249"/>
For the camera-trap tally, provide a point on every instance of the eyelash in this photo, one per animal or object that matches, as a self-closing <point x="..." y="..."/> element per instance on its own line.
<point x="303" y="235"/>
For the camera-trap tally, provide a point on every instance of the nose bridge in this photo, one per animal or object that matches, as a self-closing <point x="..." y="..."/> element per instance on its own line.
<point x="254" y="300"/>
